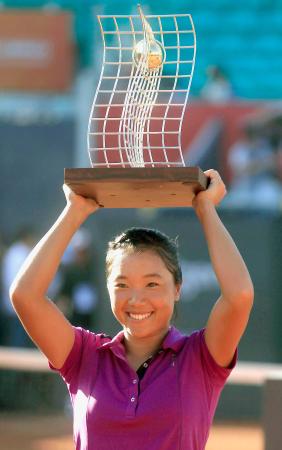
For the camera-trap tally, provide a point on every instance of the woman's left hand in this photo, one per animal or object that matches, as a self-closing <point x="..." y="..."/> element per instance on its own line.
<point x="214" y="193"/>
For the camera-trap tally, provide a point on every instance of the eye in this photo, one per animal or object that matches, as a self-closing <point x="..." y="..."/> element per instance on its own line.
<point x="120" y="285"/>
<point x="152" y="284"/>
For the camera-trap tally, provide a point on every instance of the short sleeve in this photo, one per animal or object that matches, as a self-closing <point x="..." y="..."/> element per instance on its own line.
<point x="83" y="342"/>
<point x="217" y="373"/>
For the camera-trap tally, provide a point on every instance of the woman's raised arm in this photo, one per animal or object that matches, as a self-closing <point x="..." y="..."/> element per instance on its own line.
<point x="229" y="316"/>
<point x="43" y="321"/>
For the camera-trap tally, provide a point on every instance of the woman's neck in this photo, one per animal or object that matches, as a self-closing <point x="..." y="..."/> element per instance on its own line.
<point x="140" y="349"/>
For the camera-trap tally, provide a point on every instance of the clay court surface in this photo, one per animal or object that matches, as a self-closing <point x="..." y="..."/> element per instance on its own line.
<point x="54" y="433"/>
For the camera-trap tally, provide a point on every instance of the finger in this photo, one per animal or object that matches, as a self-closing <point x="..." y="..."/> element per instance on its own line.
<point x="212" y="180"/>
<point x="212" y="173"/>
<point x="209" y="171"/>
<point x="96" y="204"/>
<point x="66" y="189"/>
<point x="214" y="176"/>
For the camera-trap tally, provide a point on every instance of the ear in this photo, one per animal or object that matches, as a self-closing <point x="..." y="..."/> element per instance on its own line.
<point x="177" y="292"/>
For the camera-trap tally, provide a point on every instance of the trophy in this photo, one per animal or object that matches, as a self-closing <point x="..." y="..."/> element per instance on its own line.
<point x="134" y="132"/>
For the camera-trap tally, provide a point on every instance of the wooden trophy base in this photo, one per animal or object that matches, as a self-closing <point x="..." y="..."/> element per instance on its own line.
<point x="138" y="187"/>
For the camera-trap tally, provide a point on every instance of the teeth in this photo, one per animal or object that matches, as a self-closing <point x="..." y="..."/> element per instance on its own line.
<point x="139" y="316"/>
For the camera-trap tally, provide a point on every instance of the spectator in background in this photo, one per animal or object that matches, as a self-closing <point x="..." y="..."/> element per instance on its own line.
<point x="78" y="294"/>
<point x="13" y="258"/>
<point x="218" y="88"/>
<point x="255" y="167"/>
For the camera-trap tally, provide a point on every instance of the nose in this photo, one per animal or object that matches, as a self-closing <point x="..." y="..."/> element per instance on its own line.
<point x="136" y="296"/>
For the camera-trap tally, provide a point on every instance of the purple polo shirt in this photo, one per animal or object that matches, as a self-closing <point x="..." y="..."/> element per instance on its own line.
<point x="172" y="409"/>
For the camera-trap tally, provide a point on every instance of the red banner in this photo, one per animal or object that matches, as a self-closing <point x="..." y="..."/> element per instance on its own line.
<point x="36" y="50"/>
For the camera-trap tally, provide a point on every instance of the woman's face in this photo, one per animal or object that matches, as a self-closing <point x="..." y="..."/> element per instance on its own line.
<point x="142" y="292"/>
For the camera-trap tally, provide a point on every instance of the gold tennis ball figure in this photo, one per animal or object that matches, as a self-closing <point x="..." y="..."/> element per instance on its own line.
<point x="151" y="53"/>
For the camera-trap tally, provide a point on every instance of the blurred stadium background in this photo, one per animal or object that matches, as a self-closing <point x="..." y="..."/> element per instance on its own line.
<point x="50" y="57"/>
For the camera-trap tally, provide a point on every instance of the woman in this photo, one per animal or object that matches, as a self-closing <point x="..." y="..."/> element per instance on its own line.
<point x="150" y="387"/>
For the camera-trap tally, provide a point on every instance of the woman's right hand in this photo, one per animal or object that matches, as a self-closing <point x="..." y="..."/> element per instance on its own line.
<point x="85" y="205"/>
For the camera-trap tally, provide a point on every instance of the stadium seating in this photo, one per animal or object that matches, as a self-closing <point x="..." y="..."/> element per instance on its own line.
<point x="243" y="38"/>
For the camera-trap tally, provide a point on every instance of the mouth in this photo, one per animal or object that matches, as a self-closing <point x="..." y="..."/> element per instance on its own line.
<point x="139" y="317"/>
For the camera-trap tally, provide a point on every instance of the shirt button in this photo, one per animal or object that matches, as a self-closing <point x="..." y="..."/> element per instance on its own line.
<point x="145" y="365"/>
<point x="132" y="399"/>
<point x="134" y="381"/>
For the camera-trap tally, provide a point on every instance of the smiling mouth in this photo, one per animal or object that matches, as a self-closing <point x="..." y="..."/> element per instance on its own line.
<point x="139" y="317"/>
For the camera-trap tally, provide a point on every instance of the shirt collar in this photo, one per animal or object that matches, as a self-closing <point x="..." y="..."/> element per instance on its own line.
<point x="173" y="340"/>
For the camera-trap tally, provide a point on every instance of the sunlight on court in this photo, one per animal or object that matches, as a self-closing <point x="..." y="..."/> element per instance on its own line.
<point x="55" y="433"/>
<point x="235" y="437"/>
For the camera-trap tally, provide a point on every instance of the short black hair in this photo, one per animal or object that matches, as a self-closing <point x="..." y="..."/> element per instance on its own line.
<point x="142" y="239"/>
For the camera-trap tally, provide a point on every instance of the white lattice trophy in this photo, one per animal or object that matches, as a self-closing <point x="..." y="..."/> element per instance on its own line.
<point x="134" y="132"/>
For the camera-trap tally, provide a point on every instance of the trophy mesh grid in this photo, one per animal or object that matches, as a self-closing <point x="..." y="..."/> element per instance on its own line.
<point x="136" y="117"/>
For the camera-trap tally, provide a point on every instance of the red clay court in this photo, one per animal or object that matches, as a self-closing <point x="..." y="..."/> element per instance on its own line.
<point x="30" y="432"/>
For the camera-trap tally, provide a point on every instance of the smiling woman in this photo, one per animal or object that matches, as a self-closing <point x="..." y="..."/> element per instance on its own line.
<point x="144" y="281"/>
<point x="122" y="388"/>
